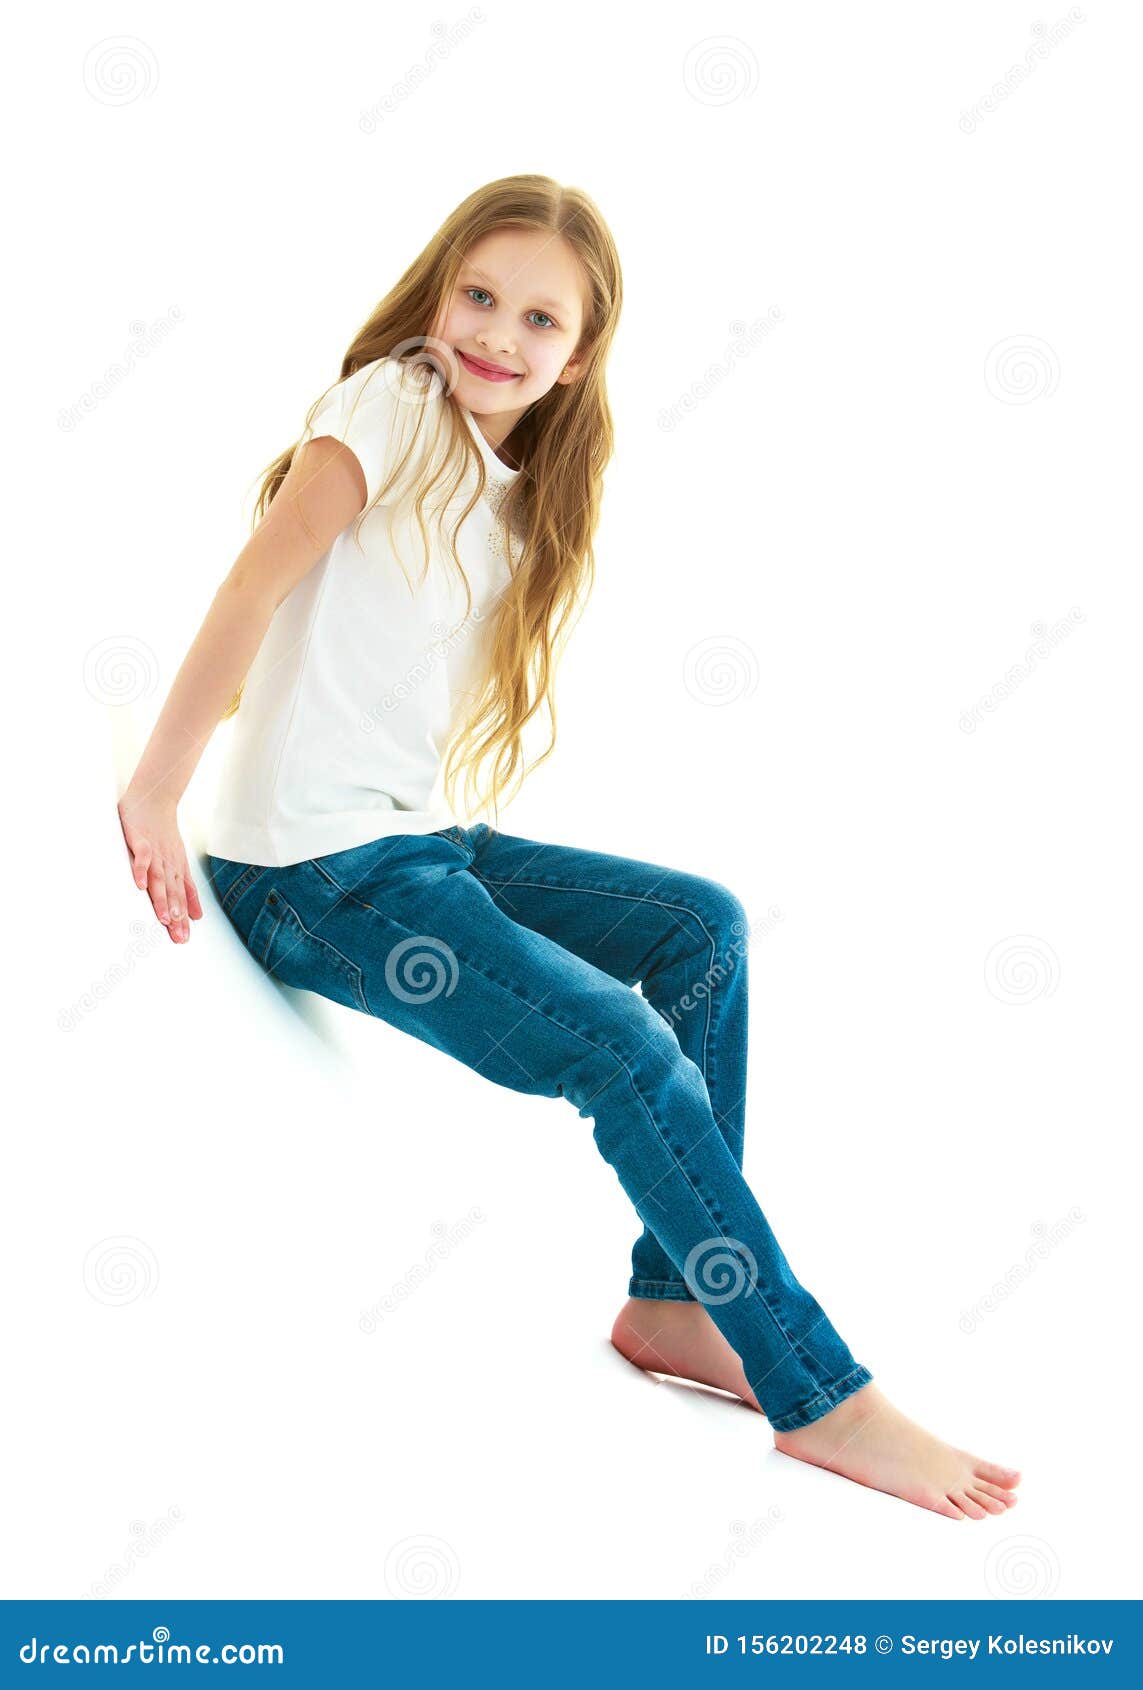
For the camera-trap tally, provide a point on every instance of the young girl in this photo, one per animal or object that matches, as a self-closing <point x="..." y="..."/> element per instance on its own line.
<point x="471" y="423"/>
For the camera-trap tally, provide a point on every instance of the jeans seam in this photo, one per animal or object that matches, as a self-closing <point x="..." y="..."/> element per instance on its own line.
<point x="245" y="881"/>
<point x="675" y="1157"/>
<point x="353" y="969"/>
<point x="552" y="883"/>
<point x="831" y="1394"/>
<point x="547" y="885"/>
<point x="636" y="1284"/>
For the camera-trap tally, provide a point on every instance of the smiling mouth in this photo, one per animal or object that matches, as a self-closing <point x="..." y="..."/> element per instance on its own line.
<point x="494" y="372"/>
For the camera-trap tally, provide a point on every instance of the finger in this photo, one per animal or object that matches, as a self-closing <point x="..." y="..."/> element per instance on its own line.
<point x="157" y="887"/>
<point x="194" y="902"/>
<point x="176" y="905"/>
<point x="141" y="862"/>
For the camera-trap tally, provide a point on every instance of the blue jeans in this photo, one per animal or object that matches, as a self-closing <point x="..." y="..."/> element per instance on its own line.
<point x="519" y="959"/>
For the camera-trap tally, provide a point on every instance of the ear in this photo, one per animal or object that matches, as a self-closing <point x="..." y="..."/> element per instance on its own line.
<point x="572" y="370"/>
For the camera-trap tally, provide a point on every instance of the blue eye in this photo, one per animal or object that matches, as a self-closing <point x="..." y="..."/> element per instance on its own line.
<point x="475" y="289"/>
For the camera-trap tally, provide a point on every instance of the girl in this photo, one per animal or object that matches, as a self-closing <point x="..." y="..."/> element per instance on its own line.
<point x="471" y="417"/>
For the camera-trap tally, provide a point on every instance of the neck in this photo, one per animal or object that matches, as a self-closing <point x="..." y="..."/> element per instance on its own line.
<point x="496" y="426"/>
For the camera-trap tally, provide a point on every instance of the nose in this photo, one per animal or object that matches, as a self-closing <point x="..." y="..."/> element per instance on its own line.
<point x="496" y="339"/>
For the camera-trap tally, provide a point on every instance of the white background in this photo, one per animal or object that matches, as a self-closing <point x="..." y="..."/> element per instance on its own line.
<point x="847" y="540"/>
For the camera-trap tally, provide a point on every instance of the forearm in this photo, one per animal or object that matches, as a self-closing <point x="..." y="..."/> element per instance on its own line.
<point x="213" y="669"/>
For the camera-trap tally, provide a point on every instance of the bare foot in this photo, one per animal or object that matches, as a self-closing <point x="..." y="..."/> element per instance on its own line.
<point x="866" y="1439"/>
<point x="681" y="1340"/>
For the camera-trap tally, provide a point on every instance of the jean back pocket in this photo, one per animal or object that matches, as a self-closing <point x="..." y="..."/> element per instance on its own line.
<point x="288" y="950"/>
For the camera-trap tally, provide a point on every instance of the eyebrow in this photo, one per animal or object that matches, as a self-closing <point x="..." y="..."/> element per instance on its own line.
<point x="544" y="304"/>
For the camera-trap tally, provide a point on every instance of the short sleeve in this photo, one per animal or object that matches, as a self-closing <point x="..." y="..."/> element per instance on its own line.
<point x="369" y="411"/>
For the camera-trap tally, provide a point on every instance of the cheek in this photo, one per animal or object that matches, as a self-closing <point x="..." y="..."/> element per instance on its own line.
<point x="459" y="321"/>
<point x="548" y="359"/>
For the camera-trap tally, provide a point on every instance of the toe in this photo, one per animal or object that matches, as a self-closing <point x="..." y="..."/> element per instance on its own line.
<point x="963" y="1500"/>
<point x="946" y="1506"/>
<point x="1005" y="1476"/>
<point x="1007" y="1497"/>
<point x="991" y="1504"/>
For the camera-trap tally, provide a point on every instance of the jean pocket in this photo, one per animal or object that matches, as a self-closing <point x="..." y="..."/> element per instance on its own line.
<point x="231" y="881"/>
<point x="287" y="949"/>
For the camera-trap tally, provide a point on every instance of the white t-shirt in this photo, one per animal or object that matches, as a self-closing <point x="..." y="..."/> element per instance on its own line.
<point x="349" y="704"/>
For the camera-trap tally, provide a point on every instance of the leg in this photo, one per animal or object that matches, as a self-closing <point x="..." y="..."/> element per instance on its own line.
<point x="402" y="929"/>
<point x="681" y="936"/>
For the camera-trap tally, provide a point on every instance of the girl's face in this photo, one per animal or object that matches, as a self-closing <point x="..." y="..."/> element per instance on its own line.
<point x="513" y="321"/>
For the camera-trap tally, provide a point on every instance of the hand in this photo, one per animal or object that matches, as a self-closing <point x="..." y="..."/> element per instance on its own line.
<point x="159" y="862"/>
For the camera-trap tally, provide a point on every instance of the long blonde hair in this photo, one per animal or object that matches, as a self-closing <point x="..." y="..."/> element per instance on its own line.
<point x="562" y="445"/>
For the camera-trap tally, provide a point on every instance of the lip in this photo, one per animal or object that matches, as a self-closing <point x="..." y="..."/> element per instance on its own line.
<point x="489" y="372"/>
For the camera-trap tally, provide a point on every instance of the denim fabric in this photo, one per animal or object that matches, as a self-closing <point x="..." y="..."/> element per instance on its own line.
<point x="519" y="959"/>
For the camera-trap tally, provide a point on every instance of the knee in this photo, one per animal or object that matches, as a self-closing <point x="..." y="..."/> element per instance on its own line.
<point x="719" y="912"/>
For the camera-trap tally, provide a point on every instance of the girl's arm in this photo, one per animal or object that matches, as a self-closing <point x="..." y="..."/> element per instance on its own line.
<point x="322" y="493"/>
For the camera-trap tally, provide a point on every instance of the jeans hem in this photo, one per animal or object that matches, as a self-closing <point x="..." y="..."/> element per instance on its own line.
<point x="821" y="1404"/>
<point x="660" y="1290"/>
